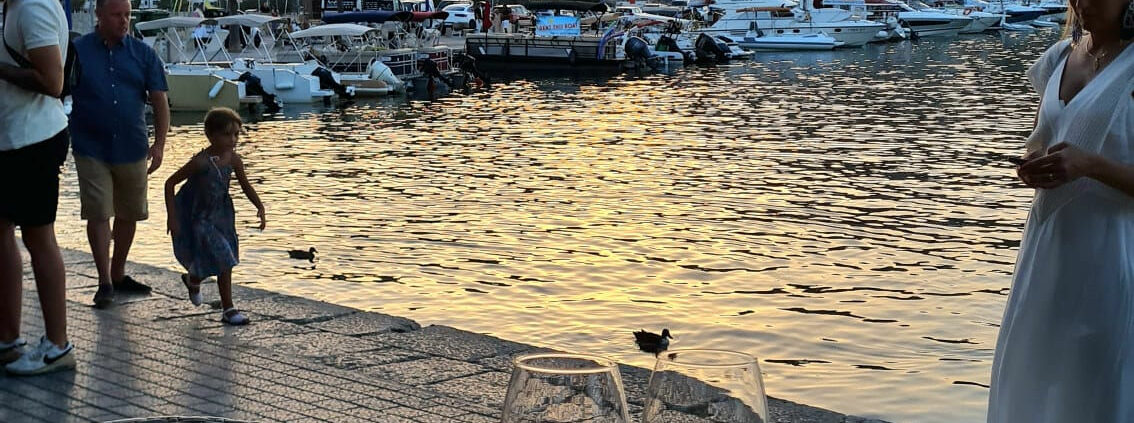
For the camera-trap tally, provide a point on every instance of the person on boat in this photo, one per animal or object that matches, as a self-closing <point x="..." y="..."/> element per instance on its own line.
<point x="1063" y="353"/>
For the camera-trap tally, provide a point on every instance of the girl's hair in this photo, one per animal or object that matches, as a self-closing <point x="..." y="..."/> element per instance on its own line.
<point x="220" y="119"/>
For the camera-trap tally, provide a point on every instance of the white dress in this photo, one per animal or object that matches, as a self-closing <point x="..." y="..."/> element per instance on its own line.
<point x="1064" y="353"/>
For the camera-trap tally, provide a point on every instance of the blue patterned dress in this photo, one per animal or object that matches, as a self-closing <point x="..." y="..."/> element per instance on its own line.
<point x="207" y="243"/>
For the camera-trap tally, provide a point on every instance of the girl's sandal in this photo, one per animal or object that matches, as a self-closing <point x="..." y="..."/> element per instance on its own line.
<point x="234" y="317"/>
<point x="194" y="289"/>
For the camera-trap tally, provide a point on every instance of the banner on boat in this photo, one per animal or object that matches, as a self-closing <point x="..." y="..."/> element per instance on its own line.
<point x="557" y="25"/>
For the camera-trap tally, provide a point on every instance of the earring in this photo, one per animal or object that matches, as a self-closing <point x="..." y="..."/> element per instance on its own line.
<point x="1127" y="31"/>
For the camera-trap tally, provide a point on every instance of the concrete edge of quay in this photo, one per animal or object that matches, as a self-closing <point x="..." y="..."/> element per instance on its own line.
<point x="299" y="360"/>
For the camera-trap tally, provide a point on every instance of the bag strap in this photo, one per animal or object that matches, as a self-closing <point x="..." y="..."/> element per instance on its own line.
<point x="19" y="58"/>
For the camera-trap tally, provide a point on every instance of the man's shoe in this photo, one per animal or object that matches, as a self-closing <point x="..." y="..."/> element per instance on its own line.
<point x="104" y="297"/>
<point x="12" y="351"/>
<point x="128" y="284"/>
<point x="44" y="358"/>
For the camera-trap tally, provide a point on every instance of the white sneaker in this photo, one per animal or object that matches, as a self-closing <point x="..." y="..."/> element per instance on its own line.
<point x="12" y="351"/>
<point x="44" y="358"/>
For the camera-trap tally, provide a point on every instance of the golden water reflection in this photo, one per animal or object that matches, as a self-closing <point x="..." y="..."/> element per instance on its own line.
<point x="845" y="216"/>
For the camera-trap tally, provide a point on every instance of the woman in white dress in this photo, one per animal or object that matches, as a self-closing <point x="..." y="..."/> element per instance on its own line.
<point x="1066" y="348"/>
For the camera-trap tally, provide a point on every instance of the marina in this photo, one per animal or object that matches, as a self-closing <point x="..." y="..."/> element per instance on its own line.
<point x="843" y="215"/>
<point x="817" y="184"/>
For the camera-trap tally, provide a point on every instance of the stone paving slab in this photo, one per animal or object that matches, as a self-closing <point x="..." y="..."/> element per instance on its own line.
<point x="299" y="361"/>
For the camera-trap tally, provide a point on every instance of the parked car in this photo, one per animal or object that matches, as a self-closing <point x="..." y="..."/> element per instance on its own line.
<point x="521" y="16"/>
<point x="461" y="16"/>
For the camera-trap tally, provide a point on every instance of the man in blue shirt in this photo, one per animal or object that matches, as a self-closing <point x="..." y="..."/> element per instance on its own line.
<point x="117" y="74"/>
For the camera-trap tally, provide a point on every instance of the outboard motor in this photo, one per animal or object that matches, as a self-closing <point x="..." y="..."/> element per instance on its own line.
<point x="327" y="80"/>
<point x="467" y="64"/>
<point x="637" y="49"/>
<point x="709" y="50"/>
<point x="638" y="52"/>
<point x="378" y="71"/>
<point x="429" y="69"/>
<point x="253" y="86"/>
<point x="667" y="43"/>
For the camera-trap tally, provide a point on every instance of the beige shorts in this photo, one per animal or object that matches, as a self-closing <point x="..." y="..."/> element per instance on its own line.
<point x="112" y="190"/>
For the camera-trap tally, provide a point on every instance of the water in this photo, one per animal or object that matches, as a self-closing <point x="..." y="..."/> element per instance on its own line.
<point x="846" y="216"/>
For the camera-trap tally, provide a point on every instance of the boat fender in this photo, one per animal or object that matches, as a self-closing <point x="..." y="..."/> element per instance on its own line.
<point x="216" y="88"/>
<point x="572" y="57"/>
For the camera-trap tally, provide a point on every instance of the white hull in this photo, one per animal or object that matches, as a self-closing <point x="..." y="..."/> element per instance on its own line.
<point x="852" y="33"/>
<point x="981" y="22"/>
<point x="789" y="42"/>
<point x="934" y="24"/>
<point x="290" y="83"/>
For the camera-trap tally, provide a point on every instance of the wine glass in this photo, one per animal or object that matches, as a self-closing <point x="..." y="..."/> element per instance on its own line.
<point x="562" y="388"/>
<point x="715" y="385"/>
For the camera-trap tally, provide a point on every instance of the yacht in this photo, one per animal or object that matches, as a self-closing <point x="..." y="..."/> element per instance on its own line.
<point x="790" y="18"/>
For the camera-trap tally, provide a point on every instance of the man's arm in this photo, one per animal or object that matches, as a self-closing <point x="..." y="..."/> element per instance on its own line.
<point x="160" y="103"/>
<point x="44" y="77"/>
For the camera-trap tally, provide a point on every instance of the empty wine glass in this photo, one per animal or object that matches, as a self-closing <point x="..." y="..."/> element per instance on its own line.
<point x="562" y="388"/>
<point x="714" y="385"/>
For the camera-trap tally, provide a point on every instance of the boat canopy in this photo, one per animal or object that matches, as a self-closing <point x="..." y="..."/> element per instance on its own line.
<point x="372" y="16"/>
<point x="174" y="22"/>
<point x="764" y="9"/>
<point x="339" y="29"/>
<point x="586" y="6"/>
<point x="421" y="16"/>
<point x="248" y="20"/>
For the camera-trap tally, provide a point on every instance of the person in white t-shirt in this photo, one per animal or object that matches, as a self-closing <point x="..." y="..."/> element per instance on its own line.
<point x="33" y="146"/>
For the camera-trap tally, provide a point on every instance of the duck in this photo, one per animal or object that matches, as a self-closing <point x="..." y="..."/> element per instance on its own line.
<point x="308" y="255"/>
<point x="651" y="342"/>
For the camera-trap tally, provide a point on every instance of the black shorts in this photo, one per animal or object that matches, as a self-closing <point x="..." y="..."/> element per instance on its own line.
<point x="29" y="181"/>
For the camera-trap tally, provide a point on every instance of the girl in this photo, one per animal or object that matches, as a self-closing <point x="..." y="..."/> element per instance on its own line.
<point x="201" y="217"/>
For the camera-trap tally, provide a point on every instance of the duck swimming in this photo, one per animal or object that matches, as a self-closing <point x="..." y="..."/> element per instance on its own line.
<point x="651" y="342"/>
<point x="308" y="255"/>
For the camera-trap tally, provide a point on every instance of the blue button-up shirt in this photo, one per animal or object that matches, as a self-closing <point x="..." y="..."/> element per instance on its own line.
<point x="108" y="119"/>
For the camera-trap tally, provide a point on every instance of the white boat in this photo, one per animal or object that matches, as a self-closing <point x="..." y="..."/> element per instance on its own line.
<point x="927" y="22"/>
<point x="1040" y="23"/>
<point x="194" y="91"/>
<point x="376" y="79"/>
<point x="1017" y="27"/>
<point x="194" y="46"/>
<point x="758" y="41"/>
<point x="780" y="20"/>
<point x="982" y="21"/>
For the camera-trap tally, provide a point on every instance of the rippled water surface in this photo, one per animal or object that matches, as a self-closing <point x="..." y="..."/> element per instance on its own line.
<point x="845" y="216"/>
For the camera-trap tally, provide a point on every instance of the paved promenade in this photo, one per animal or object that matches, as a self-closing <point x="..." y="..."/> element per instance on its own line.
<point x="299" y="361"/>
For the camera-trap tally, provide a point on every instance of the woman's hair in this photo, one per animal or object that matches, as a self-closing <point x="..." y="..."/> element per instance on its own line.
<point x="1072" y="22"/>
<point x="220" y="119"/>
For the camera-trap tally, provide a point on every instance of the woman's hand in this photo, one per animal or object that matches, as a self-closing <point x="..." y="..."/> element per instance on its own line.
<point x="1062" y="164"/>
<point x="263" y="218"/>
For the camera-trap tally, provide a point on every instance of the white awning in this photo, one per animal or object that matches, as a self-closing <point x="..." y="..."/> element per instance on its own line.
<point x="339" y="29"/>
<point x="248" y="20"/>
<point x="174" y="22"/>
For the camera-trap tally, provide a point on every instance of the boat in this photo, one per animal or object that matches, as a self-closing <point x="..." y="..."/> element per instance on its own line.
<point x="759" y="41"/>
<point x="924" y="21"/>
<point x="375" y="79"/>
<point x="793" y="20"/>
<point x="556" y="39"/>
<point x="204" y="54"/>
<point x="393" y="46"/>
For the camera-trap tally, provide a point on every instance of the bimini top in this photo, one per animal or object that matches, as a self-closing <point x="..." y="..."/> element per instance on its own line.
<point x="586" y="6"/>
<point x="249" y="20"/>
<point x="372" y="16"/>
<point x="421" y="16"/>
<point x="174" y="22"/>
<point x="340" y="30"/>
